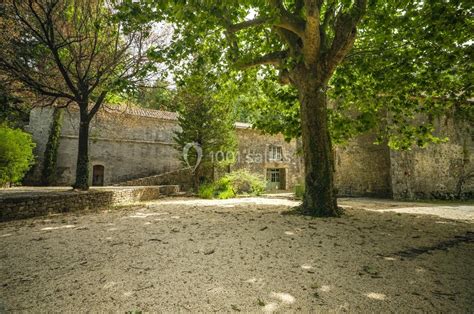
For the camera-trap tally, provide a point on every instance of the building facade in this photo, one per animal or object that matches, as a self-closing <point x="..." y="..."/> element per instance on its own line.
<point x="133" y="143"/>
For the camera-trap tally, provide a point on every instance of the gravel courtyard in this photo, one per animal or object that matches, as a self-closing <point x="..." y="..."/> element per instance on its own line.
<point x="249" y="255"/>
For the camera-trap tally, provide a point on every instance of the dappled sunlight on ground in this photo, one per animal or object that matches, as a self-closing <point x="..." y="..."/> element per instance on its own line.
<point x="457" y="211"/>
<point x="56" y="228"/>
<point x="230" y="203"/>
<point x="376" y="296"/>
<point x="245" y="255"/>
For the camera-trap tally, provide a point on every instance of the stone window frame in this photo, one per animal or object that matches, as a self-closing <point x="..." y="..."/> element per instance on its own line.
<point x="275" y="153"/>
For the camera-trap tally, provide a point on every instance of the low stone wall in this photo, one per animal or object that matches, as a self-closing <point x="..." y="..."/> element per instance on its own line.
<point x="20" y="204"/>
<point x="181" y="177"/>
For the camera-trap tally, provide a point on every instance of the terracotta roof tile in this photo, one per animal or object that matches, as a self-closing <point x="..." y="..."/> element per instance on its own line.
<point x="142" y="112"/>
<point x="155" y="114"/>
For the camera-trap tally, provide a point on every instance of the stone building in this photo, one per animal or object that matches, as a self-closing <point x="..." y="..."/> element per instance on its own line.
<point x="269" y="155"/>
<point x="123" y="144"/>
<point x="130" y="144"/>
<point x="134" y="146"/>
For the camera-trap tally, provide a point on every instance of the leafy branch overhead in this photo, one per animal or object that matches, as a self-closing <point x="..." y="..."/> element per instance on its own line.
<point x="406" y="67"/>
<point x="295" y="33"/>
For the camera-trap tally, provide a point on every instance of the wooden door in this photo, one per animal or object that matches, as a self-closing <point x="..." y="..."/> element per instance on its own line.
<point x="98" y="175"/>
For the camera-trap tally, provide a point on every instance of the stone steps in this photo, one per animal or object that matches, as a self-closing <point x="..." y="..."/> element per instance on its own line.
<point x="181" y="177"/>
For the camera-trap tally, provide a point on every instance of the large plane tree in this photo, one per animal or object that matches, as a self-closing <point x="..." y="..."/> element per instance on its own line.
<point x="410" y="58"/>
<point x="305" y="40"/>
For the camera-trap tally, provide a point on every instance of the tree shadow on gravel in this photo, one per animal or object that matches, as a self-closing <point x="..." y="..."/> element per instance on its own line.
<point x="300" y="211"/>
<point x="468" y="237"/>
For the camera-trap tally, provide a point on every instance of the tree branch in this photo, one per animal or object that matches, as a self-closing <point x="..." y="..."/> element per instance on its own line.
<point x="312" y="36"/>
<point x="97" y="105"/>
<point x="287" y="20"/>
<point x="293" y="41"/>
<point x="273" y="58"/>
<point x="329" y="16"/>
<point x="48" y="36"/>
<point x="247" y="24"/>
<point x="345" y="33"/>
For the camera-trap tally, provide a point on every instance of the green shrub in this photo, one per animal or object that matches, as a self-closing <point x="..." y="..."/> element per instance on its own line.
<point x="239" y="182"/>
<point x="244" y="182"/>
<point x="16" y="154"/>
<point x="299" y="191"/>
<point x="206" y="191"/>
<point x="223" y="195"/>
<point x="223" y="188"/>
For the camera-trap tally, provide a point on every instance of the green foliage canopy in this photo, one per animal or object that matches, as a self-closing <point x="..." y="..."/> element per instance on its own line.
<point x="411" y="61"/>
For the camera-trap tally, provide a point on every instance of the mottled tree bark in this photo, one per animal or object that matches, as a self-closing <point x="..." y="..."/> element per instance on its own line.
<point x="320" y="197"/>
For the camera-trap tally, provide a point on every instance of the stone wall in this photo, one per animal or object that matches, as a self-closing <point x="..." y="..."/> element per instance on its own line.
<point x="363" y="168"/>
<point x="138" y="148"/>
<point x="38" y="203"/>
<point x="252" y="155"/>
<point x="442" y="171"/>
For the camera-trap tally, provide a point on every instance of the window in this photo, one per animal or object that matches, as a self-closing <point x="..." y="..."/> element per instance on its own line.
<point x="275" y="153"/>
<point x="273" y="175"/>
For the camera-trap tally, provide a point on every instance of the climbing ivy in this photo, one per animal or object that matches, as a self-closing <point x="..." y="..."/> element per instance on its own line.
<point x="51" y="152"/>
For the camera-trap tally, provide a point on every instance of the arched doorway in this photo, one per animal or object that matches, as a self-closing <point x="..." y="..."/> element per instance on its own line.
<point x="98" y="175"/>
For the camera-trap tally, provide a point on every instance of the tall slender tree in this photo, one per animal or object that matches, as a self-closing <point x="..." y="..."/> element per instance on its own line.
<point x="206" y="122"/>
<point x="72" y="52"/>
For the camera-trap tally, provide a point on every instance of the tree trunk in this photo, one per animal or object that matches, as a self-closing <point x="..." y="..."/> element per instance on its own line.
<point x="320" y="197"/>
<point x="196" y="174"/>
<point x="82" y="167"/>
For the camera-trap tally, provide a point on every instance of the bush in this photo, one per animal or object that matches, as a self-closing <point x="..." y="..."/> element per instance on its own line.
<point x="206" y="191"/>
<point x="299" y="191"/>
<point x="228" y="193"/>
<point x="239" y="182"/>
<point x="16" y="154"/>
<point x="244" y="182"/>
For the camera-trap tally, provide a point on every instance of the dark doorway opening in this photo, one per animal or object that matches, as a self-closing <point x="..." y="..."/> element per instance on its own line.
<point x="98" y="175"/>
